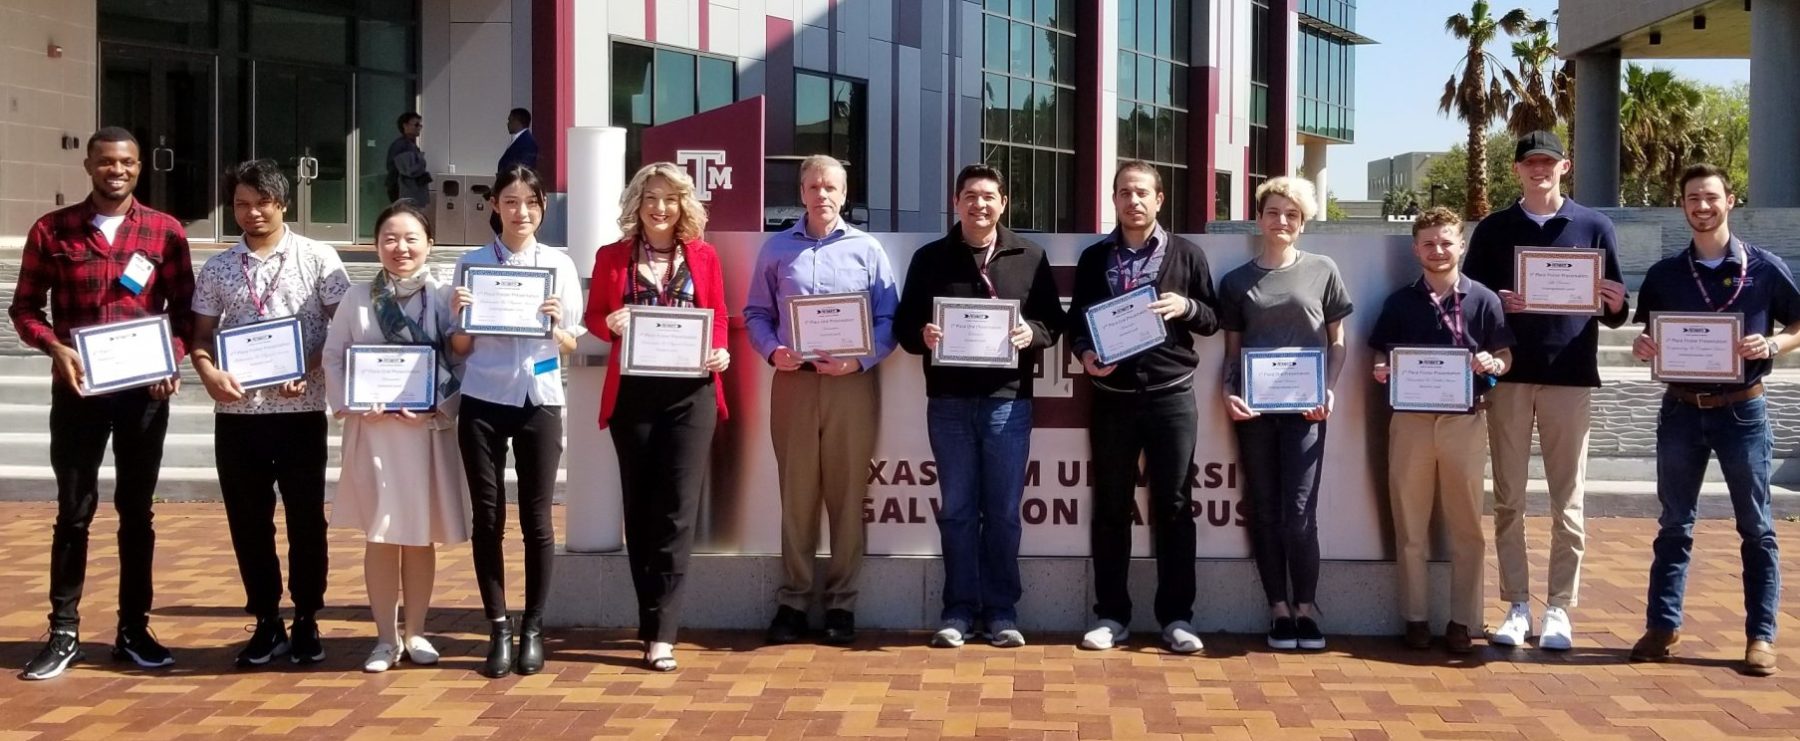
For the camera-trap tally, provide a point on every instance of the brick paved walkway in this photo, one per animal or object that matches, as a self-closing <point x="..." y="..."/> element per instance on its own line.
<point x="889" y="686"/>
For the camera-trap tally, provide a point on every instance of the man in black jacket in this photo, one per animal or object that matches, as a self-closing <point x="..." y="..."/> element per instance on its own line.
<point x="1143" y="404"/>
<point x="979" y="417"/>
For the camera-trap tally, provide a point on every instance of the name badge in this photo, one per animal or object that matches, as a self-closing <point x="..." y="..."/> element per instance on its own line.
<point x="547" y="365"/>
<point x="137" y="273"/>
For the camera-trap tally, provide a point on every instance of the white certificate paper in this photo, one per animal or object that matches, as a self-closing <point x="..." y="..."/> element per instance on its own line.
<point x="1430" y="379"/>
<point x="122" y="355"/>
<point x="507" y="300"/>
<point x="1697" y="347"/>
<point x="263" y="354"/>
<point x="666" y="341"/>
<point x="831" y="323"/>
<point x="1557" y="280"/>
<point x="1124" y="325"/>
<point x="1287" y="379"/>
<point x="393" y="376"/>
<point x="977" y="332"/>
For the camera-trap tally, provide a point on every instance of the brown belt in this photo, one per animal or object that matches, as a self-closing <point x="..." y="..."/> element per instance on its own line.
<point x="1705" y="400"/>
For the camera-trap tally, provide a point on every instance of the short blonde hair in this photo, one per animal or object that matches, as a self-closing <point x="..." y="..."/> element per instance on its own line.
<point x="692" y="224"/>
<point x="820" y="162"/>
<point x="1298" y="190"/>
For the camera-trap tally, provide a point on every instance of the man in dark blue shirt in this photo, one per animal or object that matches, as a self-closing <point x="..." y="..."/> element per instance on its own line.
<point x="1717" y="273"/>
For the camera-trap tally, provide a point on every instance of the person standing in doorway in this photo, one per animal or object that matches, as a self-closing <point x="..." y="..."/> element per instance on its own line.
<point x="408" y="177"/>
<point x="521" y="151"/>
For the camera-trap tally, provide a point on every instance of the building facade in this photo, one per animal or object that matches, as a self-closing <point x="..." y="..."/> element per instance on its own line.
<point x="1399" y="172"/>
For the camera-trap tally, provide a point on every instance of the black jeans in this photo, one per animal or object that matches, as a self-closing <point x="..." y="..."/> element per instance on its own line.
<point x="1161" y="426"/>
<point x="1281" y="457"/>
<point x="484" y="431"/>
<point x="79" y="429"/>
<point x="662" y="429"/>
<point x="256" y="453"/>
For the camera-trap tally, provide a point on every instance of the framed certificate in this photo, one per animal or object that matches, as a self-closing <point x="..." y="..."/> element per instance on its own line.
<point x="123" y="355"/>
<point x="1697" y="347"/>
<point x="666" y="341"/>
<point x="264" y="353"/>
<point x="1287" y="379"/>
<point x="1432" y="378"/>
<point x="1124" y="325"/>
<point x="393" y="376"/>
<point x="507" y="300"/>
<point x="977" y="332"/>
<point x="1559" y="280"/>
<point x="832" y="323"/>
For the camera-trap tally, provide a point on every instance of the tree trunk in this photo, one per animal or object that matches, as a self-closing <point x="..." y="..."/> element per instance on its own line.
<point x="1475" y="170"/>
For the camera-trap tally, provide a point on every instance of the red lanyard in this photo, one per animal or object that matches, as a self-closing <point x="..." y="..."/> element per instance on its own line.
<point x="665" y="296"/>
<point x="1130" y="278"/>
<point x="1743" y="273"/>
<point x="983" y="268"/>
<point x="261" y="302"/>
<point x="1453" y="320"/>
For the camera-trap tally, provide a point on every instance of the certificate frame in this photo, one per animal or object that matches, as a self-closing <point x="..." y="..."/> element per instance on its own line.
<point x="942" y="304"/>
<point x="465" y="319"/>
<point x="85" y="337"/>
<point x="291" y="322"/>
<point x="1579" y="254"/>
<point x="1732" y="323"/>
<point x="860" y="299"/>
<point x="1447" y="353"/>
<point x="1113" y="354"/>
<point x="356" y="351"/>
<point x="637" y="314"/>
<point x="1311" y="355"/>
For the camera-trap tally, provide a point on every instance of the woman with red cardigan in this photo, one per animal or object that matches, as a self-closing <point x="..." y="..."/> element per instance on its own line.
<point x="661" y="427"/>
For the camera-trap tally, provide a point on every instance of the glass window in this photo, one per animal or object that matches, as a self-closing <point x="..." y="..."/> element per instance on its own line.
<point x="631" y="68"/>
<point x="812" y="113"/>
<point x="187" y="23"/>
<point x="994" y="56"/>
<point x="295" y="34"/>
<point x="380" y="99"/>
<point x="1028" y="105"/>
<point x="994" y="96"/>
<point x="384" y="45"/>
<point x="674" y="85"/>
<point x="830" y="117"/>
<point x="1021" y="50"/>
<point x="1127" y="24"/>
<point x="718" y="83"/>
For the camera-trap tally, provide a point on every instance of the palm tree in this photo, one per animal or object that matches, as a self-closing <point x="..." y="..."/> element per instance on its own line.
<point x="1657" y="131"/>
<point x="1542" y="93"/>
<point x="1477" y="97"/>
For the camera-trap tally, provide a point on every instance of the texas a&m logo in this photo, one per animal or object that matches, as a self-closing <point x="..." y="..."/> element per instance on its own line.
<point x="709" y="170"/>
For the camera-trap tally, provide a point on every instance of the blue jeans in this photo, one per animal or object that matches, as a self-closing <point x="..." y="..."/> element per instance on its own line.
<point x="1685" y="436"/>
<point x="981" y="446"/>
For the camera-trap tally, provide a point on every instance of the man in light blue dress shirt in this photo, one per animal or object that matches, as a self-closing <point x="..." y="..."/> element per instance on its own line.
<point x="823" y="413"/>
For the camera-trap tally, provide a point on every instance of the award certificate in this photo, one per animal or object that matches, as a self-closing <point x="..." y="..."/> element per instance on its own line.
<point x="1555" y="280"/>
<point x="1697" y="347"/>
<point x="122" y="355"/>
<point x="1433" y="378"/>
<point x="264" y="353"/>
<point x="832" y="323"/>
<point x="1287" y="379"/>
<point x="977" y="332"/>
<point x="666" y="341"/>
<point x="1124" y="325"/>
<point x="507" y="300"/>
<point x="393" y="376"/>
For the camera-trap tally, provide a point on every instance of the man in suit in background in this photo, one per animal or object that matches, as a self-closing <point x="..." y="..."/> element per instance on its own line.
<point x="521" y="152"/>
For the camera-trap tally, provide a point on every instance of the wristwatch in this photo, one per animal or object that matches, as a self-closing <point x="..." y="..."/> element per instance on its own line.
<point x="1774" y="347"/>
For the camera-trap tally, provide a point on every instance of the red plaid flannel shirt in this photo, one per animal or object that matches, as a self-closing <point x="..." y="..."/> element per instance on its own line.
<point x="68" y="265"/>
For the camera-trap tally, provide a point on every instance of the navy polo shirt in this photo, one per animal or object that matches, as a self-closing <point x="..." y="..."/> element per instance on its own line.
<point x="1407" y="318"/>
<point x="1769" y="296"/>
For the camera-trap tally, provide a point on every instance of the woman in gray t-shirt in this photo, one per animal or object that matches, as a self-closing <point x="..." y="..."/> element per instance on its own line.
<point x="1284" y="298"/>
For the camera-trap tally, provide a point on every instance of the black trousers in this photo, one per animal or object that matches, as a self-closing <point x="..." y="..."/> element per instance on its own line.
<point x="1161" y="426"/>
<point x="662" y="429"/>
<point x="256" y="453"/>
<point x="79" y="429"/>
<point x="1281" y="457"/>
<point x="485" y="431"/>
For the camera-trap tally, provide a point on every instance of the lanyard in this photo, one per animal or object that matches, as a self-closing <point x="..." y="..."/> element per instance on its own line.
<point x="1130" y="278"/>
<point x="1743" y="273"/>
<point x="665" y="296"/>
<point x="500" y="255"/>
<point x="983" y="268"/>
<point x="1453" y="320"/>
<point x="261" y="303"/>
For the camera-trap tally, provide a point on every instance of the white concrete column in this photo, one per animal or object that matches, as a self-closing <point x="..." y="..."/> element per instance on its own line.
<point x="591" y="494"/>
<point x="1312" y="167"/>
<point x="1774" y="86"/>
<point x="1596" y="151"/>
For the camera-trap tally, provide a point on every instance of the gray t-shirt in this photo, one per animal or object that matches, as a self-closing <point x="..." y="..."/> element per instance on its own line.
<point x="1287" y="307"/>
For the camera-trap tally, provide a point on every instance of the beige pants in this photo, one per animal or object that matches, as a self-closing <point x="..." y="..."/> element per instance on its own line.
<point x="823" y="428"/>
<point x="1437" y="458"/>
<point x="1561" y="413"/>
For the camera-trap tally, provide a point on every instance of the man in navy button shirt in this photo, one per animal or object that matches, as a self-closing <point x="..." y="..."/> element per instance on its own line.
<point x="1717" y="273"/>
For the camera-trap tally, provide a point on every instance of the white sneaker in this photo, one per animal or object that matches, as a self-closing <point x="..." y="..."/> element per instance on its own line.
<point x="383" y="658"/>
<point x="1181" y="639"/>
<point x="1005" y="634"/>
<point x="1515" y="629"/>
<point x="952" y="635"/>
<point x="1557" y="634"/>
<point x="420" y="651"/>
<point x="1104" y="635"/>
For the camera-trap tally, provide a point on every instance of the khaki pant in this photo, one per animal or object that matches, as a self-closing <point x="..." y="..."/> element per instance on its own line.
<point x="1562" y="414"/>
<point x="1438" y="458"/>
<point x="823" y="428"/>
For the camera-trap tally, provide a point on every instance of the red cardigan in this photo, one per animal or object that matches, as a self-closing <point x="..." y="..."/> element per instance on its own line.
<point x="606" y="294"/>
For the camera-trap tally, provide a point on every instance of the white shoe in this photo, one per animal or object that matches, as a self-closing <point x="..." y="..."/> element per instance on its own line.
<point x="383" y="658"/>
<point x="1104" y="635"/>
<point x="1557" y="634"/>
<point x="1181" y="639"/>
<point x="1515" y="629"/>
<point x="952" y="635"/>
<point x="1005" y="634"/>
<point x="420" y="651"/>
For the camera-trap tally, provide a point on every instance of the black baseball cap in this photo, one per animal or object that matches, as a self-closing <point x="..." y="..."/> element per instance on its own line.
<point x="1539" y="142"/>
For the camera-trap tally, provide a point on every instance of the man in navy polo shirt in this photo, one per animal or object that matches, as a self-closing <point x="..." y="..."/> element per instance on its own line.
<point x="1555" y="371"/>
<point x="1717" y="273"/>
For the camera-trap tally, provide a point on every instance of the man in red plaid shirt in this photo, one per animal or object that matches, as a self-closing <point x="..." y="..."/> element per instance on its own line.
<point x="106" y="259"/>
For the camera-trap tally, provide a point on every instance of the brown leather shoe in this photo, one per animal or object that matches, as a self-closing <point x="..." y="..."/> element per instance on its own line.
<point x="1658" y="644"/>
<point x="1418" y="634"/>
<point x="1759" y="659"/>
<point x="1456" y="638"/>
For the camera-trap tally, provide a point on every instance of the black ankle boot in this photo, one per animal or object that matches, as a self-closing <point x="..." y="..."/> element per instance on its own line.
<point x="500" y="650"/>
<point x="531" y="645"/>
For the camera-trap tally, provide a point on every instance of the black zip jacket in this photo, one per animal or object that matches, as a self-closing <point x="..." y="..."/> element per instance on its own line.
<point x="950" y="268"/>
<point x="1184" y="271"/>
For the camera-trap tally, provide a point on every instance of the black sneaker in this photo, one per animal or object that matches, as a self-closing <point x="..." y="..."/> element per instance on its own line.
<point x="136" y="645"/>
<point x="62" y="650"/>
<point x="1308" y="635"/>
<point x="789" y="626"/>
<point x="303" y="644"/>
<point x="267" y="641"/>
<point x="840" y="627"/>
<point x="1283" y="635"/>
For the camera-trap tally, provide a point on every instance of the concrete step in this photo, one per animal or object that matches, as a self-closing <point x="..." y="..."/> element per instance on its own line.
<point x="174" y="484"/>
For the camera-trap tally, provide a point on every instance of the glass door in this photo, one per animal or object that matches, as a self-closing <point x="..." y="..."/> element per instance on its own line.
<point x="303" y="122"/>
<point x="168" y="100"/>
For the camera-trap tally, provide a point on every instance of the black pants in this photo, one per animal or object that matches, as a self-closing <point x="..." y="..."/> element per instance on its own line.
<point x="1281" y="457"/>
<point x="662" y="429"/>
<point x="79" y="429"/>
<point x="484" y="432"/>
<point x="1161" y="426"/>
<point x="256" y="453"/>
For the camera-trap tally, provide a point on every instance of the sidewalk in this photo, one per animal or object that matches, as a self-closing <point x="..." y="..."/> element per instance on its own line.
<point x="889" y="685"/>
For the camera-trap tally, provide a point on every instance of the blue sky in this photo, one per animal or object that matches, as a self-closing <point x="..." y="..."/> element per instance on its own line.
<point x="1391" y="119"/>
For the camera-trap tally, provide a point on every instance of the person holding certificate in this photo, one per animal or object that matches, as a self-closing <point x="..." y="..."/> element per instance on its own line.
<point x="513" y="397"/>
<point x="824" y="411"/>
<point x="662" y="427"/>
<point x="105" y="260"/>
<point x="269" y="432"/>
<point x="1438" y="457"/>
<point x="1718" y="274"/>
<point x="978" y="417"/>
<point x="1144" y="405"/>
<point x="1284" y="298"/>
<point x="1555" y="370"/>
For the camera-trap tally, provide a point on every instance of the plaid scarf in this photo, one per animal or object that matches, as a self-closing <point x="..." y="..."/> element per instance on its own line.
<point x="385" y="294"/>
